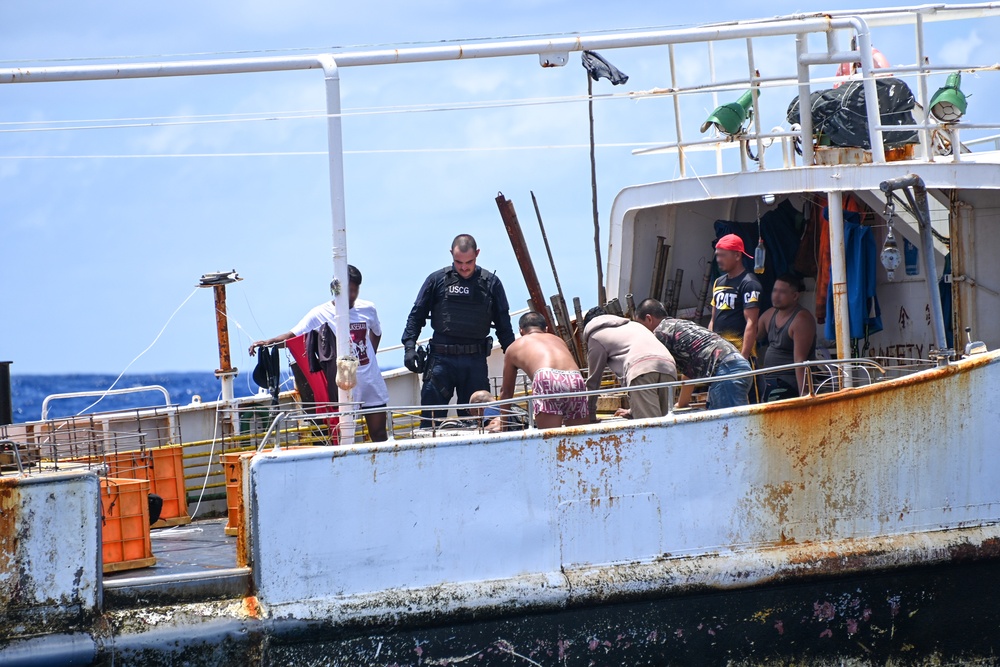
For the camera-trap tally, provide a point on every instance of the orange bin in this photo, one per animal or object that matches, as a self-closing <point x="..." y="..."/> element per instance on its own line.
<point x="163" y="468"/>
<point x="234" y="489"/>
<point x="168" y="483"/>
<point x="125" y="543"/>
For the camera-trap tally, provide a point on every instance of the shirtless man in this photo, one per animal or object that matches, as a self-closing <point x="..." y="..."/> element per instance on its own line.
<point x="545" y="358"/>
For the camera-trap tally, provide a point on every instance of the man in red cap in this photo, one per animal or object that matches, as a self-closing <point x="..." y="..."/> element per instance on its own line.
<point x="735" y="297"/>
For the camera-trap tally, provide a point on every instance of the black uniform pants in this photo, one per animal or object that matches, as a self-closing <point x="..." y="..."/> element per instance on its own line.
<point x="447" y="373"/>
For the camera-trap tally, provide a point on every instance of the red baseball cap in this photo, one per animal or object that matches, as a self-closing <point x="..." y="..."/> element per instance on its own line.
<point x="732" y="242"/>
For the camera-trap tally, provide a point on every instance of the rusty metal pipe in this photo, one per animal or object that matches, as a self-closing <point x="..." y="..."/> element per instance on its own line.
<point x="226" y="373"/>
<point x="520" y="247"/>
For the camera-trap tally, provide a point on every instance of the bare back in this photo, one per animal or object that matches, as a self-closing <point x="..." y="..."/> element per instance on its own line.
<point x="540" y="350"/>
<point x="532" y="351"/>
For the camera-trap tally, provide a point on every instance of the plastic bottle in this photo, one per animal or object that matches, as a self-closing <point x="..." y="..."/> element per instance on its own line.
<point x="758" y="257"/>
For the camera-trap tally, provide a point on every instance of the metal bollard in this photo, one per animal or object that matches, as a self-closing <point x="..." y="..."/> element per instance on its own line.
<point x="6" y="405"/>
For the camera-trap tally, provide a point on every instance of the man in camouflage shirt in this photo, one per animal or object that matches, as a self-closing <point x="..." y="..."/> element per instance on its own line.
<point x="699" y="353"/>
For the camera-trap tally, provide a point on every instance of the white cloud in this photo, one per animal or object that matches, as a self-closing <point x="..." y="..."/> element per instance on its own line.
<point x="959" y="51"/>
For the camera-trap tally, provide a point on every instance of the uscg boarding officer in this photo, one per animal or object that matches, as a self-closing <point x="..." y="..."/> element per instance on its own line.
<point x="464" y="301"/>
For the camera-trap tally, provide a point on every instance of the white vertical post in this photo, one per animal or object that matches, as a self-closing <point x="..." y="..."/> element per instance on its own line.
<point x="715" y="103"/>
<point x="838" y="276"/>
<point x="756" y="108"/>
<point x="342" y="316"/>
<point x="871" y="91"/>
<point x="922" y="98"/>
<point x="805" y="104"/>
<point x="682" y="161"/>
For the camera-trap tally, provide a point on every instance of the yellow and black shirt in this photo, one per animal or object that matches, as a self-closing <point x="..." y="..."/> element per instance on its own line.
<point x="729" y="297"/>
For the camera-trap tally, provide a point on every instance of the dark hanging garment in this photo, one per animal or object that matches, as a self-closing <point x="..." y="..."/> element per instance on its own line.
<point x="599" y="68"/>
<point x="267" y="374"/>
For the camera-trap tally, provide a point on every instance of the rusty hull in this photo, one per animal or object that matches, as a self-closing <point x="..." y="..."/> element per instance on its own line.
<point x="49" y="553"/>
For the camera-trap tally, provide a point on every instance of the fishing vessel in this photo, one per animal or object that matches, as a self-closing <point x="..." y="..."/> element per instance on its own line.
<point x="856" y="524"/>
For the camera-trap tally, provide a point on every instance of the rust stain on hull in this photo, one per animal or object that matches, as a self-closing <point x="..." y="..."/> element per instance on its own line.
<point x="10" y="512"/>
<point x="823" y="457"/>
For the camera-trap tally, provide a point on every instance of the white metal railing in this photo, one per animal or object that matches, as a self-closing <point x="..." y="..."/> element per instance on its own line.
<point x="289" y="427"/>
<point x="555" y="51"/>
<point x="102" y="393"/>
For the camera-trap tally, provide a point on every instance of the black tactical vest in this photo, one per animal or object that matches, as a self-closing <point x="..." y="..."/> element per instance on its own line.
<point x="462" y="308"/>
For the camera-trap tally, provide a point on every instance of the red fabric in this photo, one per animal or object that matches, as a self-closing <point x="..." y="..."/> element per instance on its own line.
<point x="317" y="382"/>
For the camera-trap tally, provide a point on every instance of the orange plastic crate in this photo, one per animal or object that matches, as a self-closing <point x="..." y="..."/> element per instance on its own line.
<point x="234" y="489"/>
<point x="125" y="542"/>
<point x="168" y="482"/>
<point x="163" y="468"/>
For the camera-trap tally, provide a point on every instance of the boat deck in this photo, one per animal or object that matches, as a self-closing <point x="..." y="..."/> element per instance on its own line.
<point x="194" y="563"/>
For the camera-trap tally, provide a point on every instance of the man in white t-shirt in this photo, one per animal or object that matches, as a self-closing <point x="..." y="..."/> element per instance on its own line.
<point x="366" y="332"/>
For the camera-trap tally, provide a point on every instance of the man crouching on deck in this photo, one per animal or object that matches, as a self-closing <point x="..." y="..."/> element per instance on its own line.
<point x="545" y="358"/>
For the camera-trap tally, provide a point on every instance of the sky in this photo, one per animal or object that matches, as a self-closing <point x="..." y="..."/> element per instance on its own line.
<point x="119" y="195"/>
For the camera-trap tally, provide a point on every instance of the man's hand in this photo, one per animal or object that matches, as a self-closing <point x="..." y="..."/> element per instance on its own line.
<point x="410" y="360"/>
<point x="254" y="346"/>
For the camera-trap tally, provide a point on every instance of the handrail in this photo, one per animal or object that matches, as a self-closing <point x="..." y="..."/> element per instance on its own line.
<point x="850" y="364"/>
<point x="102" y="393"/>
<point x="17" y="454"/>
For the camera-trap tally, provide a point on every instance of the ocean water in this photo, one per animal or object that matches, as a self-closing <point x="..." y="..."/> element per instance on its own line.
<point x="29" y="391"/>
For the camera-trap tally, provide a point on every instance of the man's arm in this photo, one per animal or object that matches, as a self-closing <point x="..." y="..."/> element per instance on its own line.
<point x="501" y="315"/>
<point x="277" y="340"/>
<point x="803" y="333"/>
<point x="509" y="377"/>
<point x="507" y="387"/>
<point x="750" y="331"/>
<point x="597" y="359"/>
<point x="375" y="340"/>
<point x="418" y="314"/>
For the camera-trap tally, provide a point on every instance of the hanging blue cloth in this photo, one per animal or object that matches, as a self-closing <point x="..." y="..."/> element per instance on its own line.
<point x="861" y="255"/>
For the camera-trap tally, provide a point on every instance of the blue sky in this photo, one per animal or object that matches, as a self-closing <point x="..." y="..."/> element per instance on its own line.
<point x="106" y="231"/>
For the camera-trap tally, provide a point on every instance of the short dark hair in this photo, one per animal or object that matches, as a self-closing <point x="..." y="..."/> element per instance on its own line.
<point x="353" y="276"/>
<point x="596" y="311"/>
<point x="464" y="243"/>
<point x="650" y="307"/>
<point x="793" y="280"/>
<point x="532" y="319"/>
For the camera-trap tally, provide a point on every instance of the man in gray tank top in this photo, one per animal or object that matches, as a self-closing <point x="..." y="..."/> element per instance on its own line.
<point x="790" y="332"/>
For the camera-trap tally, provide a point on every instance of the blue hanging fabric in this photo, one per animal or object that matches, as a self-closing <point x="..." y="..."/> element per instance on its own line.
<point x="861" y="256"/>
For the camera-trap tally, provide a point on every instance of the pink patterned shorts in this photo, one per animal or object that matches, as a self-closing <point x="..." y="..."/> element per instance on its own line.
<point x="552" y="381"/>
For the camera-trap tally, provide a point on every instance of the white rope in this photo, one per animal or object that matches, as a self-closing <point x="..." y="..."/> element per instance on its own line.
<point x="148" y="348"/>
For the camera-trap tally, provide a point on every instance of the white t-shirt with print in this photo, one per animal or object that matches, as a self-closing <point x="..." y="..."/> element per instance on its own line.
<point x="371" y="389"/>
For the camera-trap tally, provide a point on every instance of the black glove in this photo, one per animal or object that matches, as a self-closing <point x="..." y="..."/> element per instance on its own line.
<point x="411" y="361"/>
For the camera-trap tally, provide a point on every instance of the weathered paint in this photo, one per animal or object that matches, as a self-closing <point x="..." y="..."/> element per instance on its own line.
<point x="49" y="551"/>
<point x="913" y="616"/>
<point x="548" y="519"/>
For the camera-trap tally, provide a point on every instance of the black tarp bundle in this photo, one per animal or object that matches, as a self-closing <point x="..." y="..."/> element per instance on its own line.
<point x="839" y="117"/>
